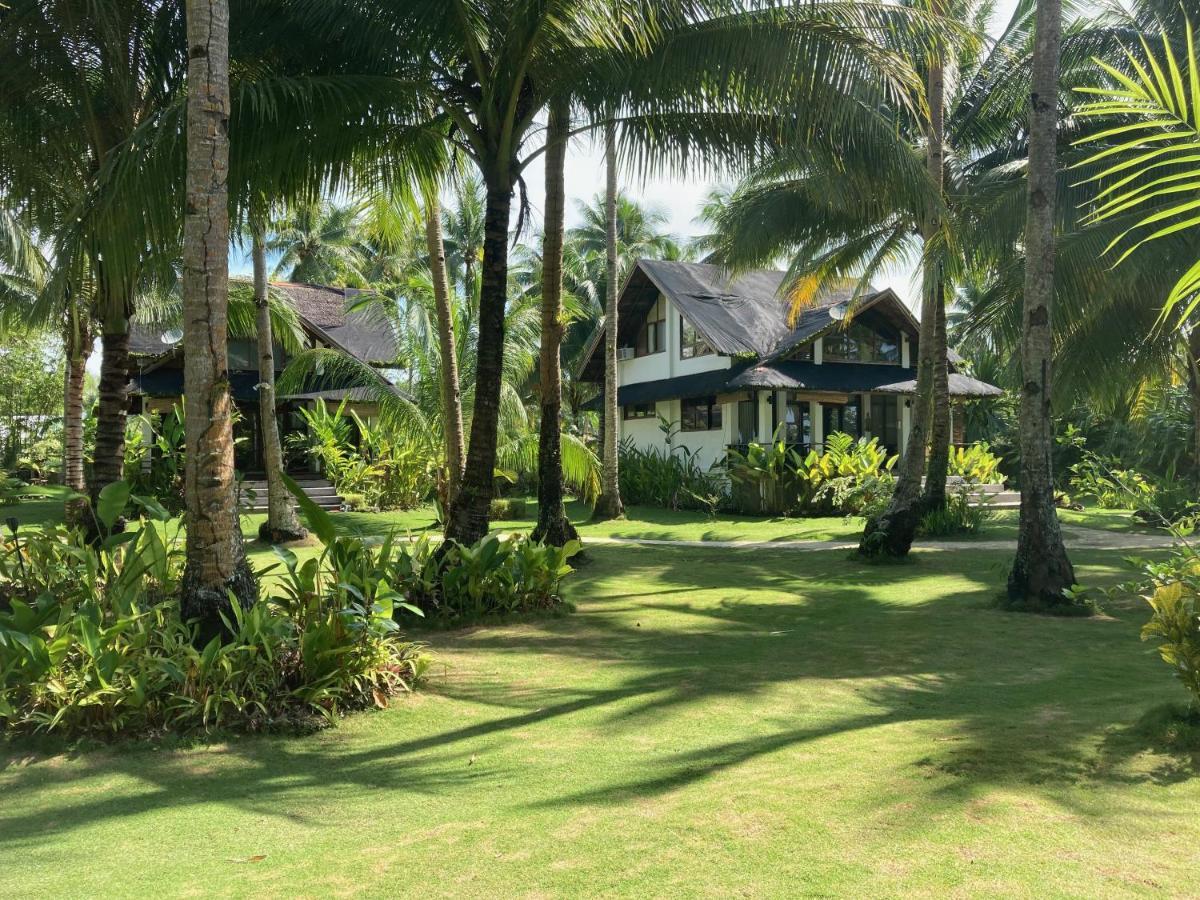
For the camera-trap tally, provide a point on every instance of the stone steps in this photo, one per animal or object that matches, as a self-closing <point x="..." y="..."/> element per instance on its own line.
<point x="253" y="496"/>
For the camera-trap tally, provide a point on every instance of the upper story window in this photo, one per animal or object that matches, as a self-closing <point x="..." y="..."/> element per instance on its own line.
<point x="640" y="410"/>
<point x="691" y="344"/>
<point x="859" y="343"/>
<point x="652" y="336"/>
<point x="700" y="414"/>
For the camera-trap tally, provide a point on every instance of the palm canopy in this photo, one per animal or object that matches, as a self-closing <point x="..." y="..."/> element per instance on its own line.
<point x="320" y="242"/>
<point x="1148" y="152"/>
<point x="863" y="209"/>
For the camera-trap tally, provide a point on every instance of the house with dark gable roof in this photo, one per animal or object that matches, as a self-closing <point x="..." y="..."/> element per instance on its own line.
<point x="718" y="355"/>
<point x="329" y="317"/>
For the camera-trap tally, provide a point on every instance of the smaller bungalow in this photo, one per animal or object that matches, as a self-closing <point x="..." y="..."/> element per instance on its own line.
<point x="718" y="356"/>
<point x="329" y="318"/>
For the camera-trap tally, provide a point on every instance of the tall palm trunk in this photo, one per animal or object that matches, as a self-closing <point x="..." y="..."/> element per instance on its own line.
<point x="451" y="393"/>
<point x="609" y="505"/>
<point x="468" y="519"/>
<point x="77" y="348"/>
<point x="108" y="460"/>
<point x="1041" y="569"/>
<point x="215" y="561"/>
<point x="282" y="524"/>
<point x="939" y="434"/>
<point x="553" y="527"/>
<point x="892" y="533"/>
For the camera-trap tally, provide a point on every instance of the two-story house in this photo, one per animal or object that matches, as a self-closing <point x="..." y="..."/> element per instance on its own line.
<point x="718" y="356"/>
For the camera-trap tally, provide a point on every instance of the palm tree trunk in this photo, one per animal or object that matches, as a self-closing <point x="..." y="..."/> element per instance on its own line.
<point x="609" y="505"/>
<point x="215" y="561"/>
<point x="282" y="524"/>
<point x="77" y="348"/>
<point x="553" y="526"/>
<point x="451" y="393"/>
<point x="939" y="435"/>
<point x="1041" y="570"/>
<point x="892" y="533"/>
<point x="108" y="461"/>
<point x="468" y="519"/>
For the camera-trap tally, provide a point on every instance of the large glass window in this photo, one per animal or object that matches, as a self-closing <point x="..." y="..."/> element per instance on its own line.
<point x="691" y="344"/>
<point x="843" y="417"/>
<point x="652" y="337"/>
<point x="747" y="421"/>
<point x="798" y="423"/>
<point x="885" y="421"/>
<point x="700" y="414"/>
<point x="860" y="343"/>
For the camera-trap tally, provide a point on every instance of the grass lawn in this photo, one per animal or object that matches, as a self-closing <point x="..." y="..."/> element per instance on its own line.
<point x="708" y="723"/>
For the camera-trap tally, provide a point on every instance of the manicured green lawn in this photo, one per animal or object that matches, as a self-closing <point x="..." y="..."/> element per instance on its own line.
<point x="709" y="723"/>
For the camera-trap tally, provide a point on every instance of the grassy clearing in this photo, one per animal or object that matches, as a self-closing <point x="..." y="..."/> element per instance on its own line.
<point x="647" y="522"/>
<point x="709" y="722"/>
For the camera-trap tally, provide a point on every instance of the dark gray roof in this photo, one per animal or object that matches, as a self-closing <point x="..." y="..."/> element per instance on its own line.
<point x="738" y="314"/>
<point x="330" y="314"/>
<point x="742" y="313"/>
<point x="960" y="386"/>
<point x="794" y="375"/>
<point x="336" y="314"/>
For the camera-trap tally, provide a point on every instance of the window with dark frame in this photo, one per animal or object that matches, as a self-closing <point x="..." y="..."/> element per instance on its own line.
<point x="652" y="336"/>
<point x="700" y="414"/>
<point x="860" y="343"/>
<point x="691" y="344"/>
<point x="640" y="411"/>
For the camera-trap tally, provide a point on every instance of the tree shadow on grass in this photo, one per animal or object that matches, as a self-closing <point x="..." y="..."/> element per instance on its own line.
<point x="853" y="646"/>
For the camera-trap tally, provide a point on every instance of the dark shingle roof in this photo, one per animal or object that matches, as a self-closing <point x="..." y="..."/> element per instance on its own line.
<point x="743" y="313"/>
<point x="794" y="375"/>
<point x="329" y="313"/>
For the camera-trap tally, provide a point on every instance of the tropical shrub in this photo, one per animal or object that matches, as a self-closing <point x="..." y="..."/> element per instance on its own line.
<point x="508" y="509"/>
<point x="850" y="476"/>
<point x="92" y="643"/>
<point x="957" y="516"/>
<point x="1111" y="486"/>
<point x="670" y="476"/>
<point x="385" y="470"/>
<point x="1171" y="587"/>
<point x="154" y="465"/>
<point x="975" y="464"/>
<point x="1175" y="623"/>
<point x="502" y="573"/>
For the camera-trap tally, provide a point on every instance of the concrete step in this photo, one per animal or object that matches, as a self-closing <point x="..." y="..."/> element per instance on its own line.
<point x="998" y="500"/>
<point x="319" y="490"/>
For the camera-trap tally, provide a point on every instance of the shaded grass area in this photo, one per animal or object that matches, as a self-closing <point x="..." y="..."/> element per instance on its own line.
<point x="711" y="722"/>
<point x="644" y="522"/>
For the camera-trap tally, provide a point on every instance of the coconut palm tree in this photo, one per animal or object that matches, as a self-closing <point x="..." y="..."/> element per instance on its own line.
<point x="216" y="573"/>
<point x="282" y="523"/>
<point x="609" y="505"/>
<point x="553" y="526"/>
<point x="319" y="242"/>
<point x="1041" y="571"/>
<point x="90" y="75"/>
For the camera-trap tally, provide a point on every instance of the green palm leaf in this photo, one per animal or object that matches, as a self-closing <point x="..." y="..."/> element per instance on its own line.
<point x="1147" y="155"/>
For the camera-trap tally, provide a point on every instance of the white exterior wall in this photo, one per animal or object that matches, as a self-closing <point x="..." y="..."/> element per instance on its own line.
<point x="645" y="433"/>
<point x="710" y="445"/>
